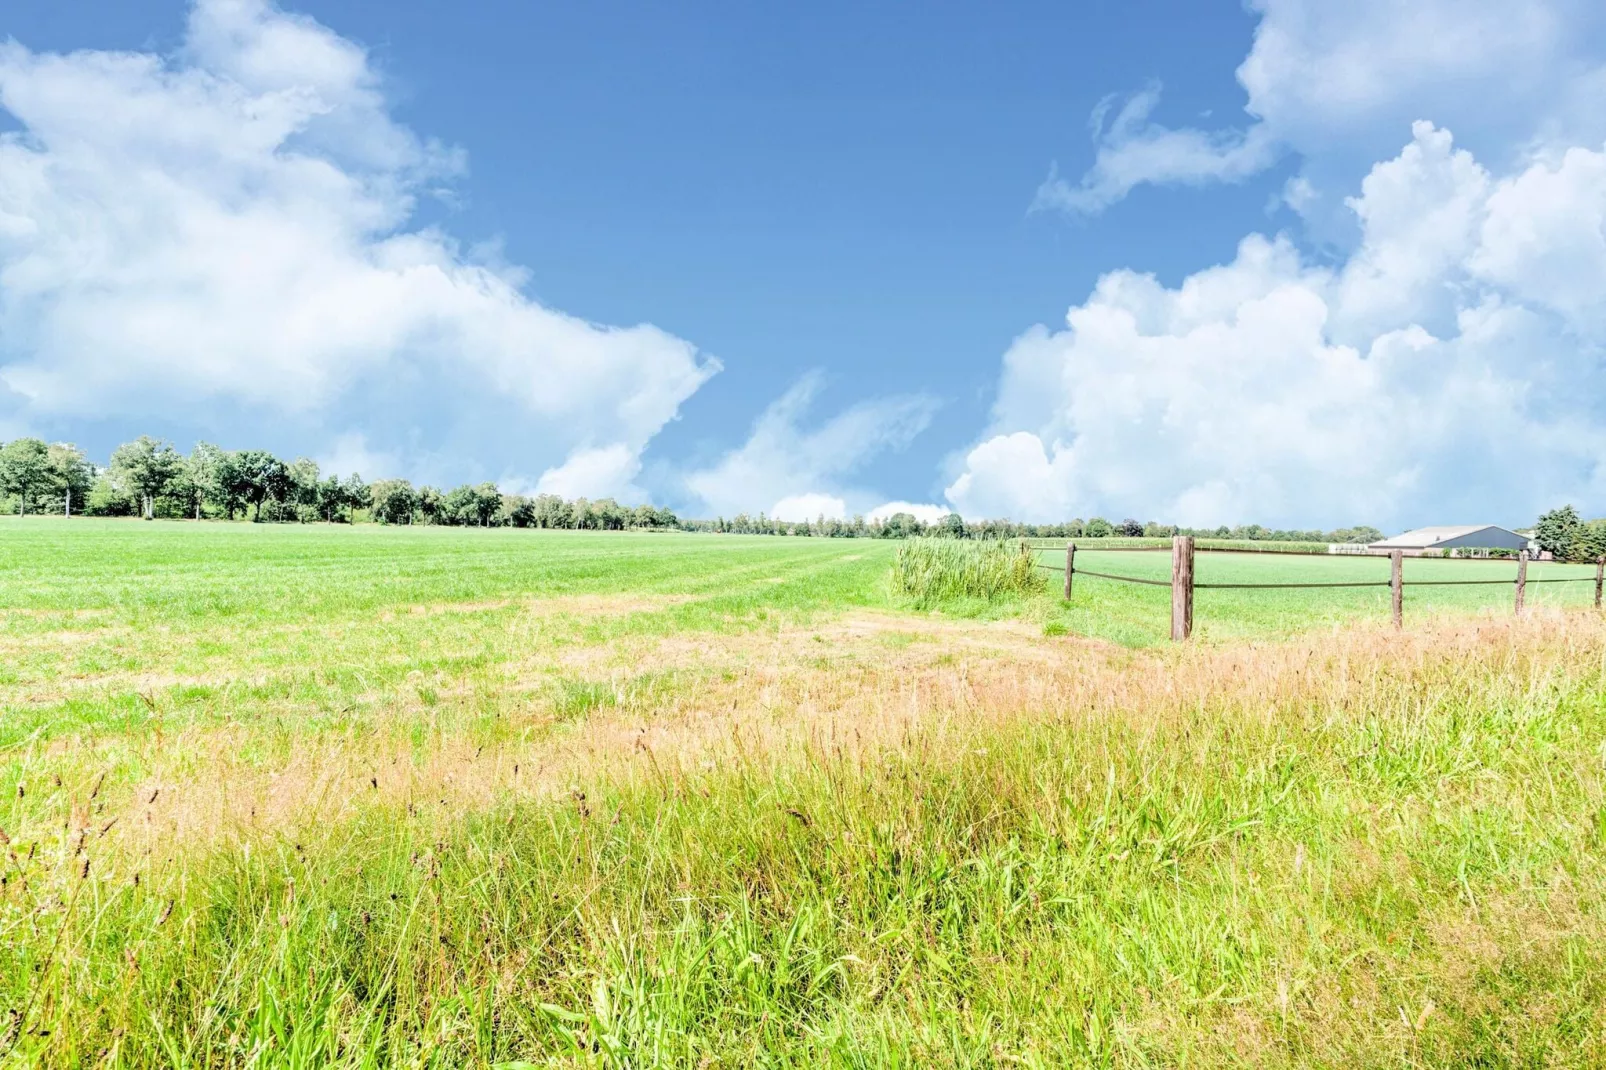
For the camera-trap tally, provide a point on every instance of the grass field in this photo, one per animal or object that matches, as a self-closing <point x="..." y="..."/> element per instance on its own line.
<point x="1138" y="615"/>
<point x="310" y="796"/>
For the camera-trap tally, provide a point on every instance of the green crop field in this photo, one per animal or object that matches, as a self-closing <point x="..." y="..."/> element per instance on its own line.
<point x="376" y="796"/>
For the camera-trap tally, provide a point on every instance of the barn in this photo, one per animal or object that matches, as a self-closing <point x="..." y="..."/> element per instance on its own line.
<point x="1469" y="538"/>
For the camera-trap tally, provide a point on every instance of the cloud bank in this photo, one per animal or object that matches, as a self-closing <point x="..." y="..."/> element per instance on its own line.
<point x="1448" y="367"/>
<point x="223" y="236"/>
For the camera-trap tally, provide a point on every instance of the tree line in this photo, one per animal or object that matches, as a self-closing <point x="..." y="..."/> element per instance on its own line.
<point x="149" y="478"/>
<point x="905" y="525"/>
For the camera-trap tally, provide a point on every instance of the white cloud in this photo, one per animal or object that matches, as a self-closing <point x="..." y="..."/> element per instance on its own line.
<point x="603" y="472"/>
<point x="1324" y="79"/>
<point x="782" y="458"/>
<point x="926" y="514"/>
<point x="1133" y="150"/>
<point x="349" y="454"/>
<point x="1448" y="370"/>
<point x="1544" y="237"/>
<point x="222" y="236"/>
<point x="800" y="507"/>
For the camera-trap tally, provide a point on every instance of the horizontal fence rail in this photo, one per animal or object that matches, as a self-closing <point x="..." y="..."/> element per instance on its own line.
<point x="1266" y="550"/>
<point x="1293" y="586"/>
<point x="1124" y="579"/>
<point x="1182" y="583"/>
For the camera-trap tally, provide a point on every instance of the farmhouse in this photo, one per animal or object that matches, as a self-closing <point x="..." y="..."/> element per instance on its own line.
<point x="1473" y="537"/>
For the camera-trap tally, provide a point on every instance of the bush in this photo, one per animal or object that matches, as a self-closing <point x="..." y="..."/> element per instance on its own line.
<point x="107" y="499"/>
<point x="935" y="570"/>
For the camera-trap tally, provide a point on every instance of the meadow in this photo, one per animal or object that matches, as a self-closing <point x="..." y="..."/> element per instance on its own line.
<point x="370" y="796"/>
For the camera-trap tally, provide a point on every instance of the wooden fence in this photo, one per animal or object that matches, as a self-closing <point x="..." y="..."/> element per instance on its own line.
<point x="1183" y="585"/>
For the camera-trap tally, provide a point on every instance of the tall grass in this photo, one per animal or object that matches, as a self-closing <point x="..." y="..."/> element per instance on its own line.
<point x="932" y="571"/>
<point x="1358" y="852"/>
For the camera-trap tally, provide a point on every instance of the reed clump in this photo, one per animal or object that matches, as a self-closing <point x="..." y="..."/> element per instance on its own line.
<point x="933" y="571"/>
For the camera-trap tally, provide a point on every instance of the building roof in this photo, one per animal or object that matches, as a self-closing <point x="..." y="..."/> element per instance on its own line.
<point x="1422" y="538"/>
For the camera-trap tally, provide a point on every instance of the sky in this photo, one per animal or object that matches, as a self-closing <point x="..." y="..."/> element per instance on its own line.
<point x="1291" y="262"/>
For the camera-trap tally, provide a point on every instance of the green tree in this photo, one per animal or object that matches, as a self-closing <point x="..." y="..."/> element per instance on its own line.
<point x="25" y="470"/>
<point x="517" y="511"/>
<point x="487" y="503"/>
<point x="260" y="477"/>
<point x="900" y="526"/>
<point x="301" y="488"/>
<point x="146" y="467"/>
<point x="107" y="497"/>
<point x="1098" y="528"/>
<point x="207" y="470"/>
<point x="458" y="506"/>
<point x="357" y="494"/>
<point x="71" y="474"/>
<point x="431" y="505"/>
<point x="334" y="496"/>
<point x="1556" y="530"/>
<point x="393" y="501"/>
<point x="552" y="511"/>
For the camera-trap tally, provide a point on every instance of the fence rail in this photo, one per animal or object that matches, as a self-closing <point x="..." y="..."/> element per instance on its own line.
<point x="1183" y="585"/>
<point x="1266" y="550"/>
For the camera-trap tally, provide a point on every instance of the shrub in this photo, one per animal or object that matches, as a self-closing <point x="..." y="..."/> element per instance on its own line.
<point x="935" y="570"/>
<point x="108" y="499"/>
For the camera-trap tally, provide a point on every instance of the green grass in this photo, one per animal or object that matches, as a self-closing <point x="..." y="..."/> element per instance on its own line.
<point x="218" y="622"/>
<point x="1139" y="615"/>
<point x="383" y="797"/>
<point x="931" y="572"/>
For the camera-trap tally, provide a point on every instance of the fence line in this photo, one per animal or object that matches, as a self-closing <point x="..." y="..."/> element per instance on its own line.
<point x="1182" y="582"/>
<point x="1287" y="586"/>
<point x="1039" y="545"/>
<point x="1126" y="579"/>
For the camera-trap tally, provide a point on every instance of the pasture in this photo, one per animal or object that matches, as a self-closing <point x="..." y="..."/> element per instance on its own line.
<point x="365" y="796"/>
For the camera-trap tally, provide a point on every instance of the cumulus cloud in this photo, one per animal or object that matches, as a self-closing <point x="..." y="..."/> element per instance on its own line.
<point x="1449" y="369"/>
<point x="800" y="507"/>
<point x="604" y="472"/>
<point x="1322" y="80"/>
<point x="926" y="514"/>
<point x="222" y="236"/>
<point x="782" y="456"/>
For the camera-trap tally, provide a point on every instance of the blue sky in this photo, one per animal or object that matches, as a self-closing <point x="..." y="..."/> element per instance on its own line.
<point x="837" y="222"/>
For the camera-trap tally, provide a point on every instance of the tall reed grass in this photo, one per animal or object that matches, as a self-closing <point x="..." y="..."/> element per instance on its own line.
<point x="931" y="571"/>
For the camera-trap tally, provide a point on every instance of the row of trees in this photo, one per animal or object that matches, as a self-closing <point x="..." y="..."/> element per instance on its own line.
<point x="149" y="478"/>
<point x="40" y="475"/>
<point x="903" y="525"/>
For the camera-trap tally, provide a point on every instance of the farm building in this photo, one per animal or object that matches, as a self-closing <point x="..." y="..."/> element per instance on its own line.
<point x="1472" y="537"/>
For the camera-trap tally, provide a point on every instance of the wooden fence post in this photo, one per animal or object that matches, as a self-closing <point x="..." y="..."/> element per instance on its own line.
<point x="1397" y="586"/>
<point x="1600" y="577"/>
<point x="1181" y="587"/>
<point x="1070" y="569"/>
<point x="1522" y="579"/>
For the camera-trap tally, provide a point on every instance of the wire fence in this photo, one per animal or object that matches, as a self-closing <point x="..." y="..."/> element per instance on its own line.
<point x="1183" y="585"/>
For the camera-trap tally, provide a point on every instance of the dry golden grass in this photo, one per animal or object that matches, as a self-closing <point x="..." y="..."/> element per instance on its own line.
<point x="764" y="698"/>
